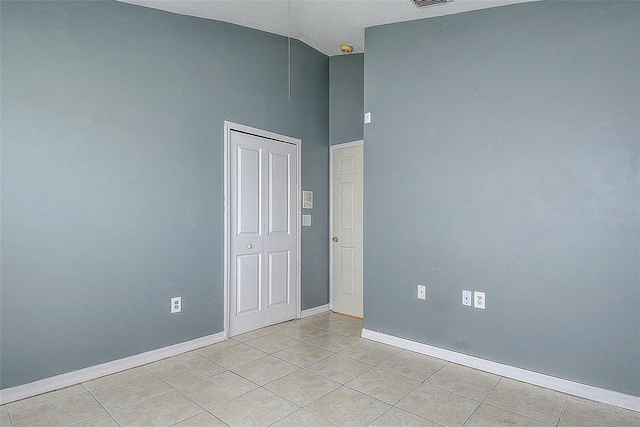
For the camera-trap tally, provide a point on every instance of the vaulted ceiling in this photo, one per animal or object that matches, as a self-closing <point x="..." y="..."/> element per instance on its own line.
<point x="322" y="24"/>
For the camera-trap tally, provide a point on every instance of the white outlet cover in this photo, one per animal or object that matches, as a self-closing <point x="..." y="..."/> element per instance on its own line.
<point x="306" y="220"/>
<point x="479" y="300"/>
<point x="176" y="305"/>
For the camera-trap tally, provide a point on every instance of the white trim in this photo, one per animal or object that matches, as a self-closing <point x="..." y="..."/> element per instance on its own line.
<point x="565" y="386"/>
<point x="12" y="394"/>
<point x="346" y="145"/>
<point x="227" y="226"/>
<point x="315" y="310"/>
<point x="299" y="216"/>
<point x="228" y="127"/>
<point x="332" y="148"/>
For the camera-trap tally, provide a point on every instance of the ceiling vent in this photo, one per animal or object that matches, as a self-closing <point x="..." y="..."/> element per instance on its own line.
<point x="425" y="3"/>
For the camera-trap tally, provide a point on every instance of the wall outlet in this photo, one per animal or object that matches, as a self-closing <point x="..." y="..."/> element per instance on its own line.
<point x="422" y="292"/>
<point x="176" y="305"/>
<point x="466" y="298"/>
<point x="479" y="300"/>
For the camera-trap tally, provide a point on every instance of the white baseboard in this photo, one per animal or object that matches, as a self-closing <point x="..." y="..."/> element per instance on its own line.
<point x="313" y="311"/>
<point x="12" y="394"/>
<point x="565" y="386"/>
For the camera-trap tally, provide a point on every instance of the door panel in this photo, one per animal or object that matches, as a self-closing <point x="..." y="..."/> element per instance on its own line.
<point x="248" y="195"/>
<point x="346" y="207"/>
<point x="281" y="240"/>
<point x="263" y="220"/>
<point x="346" y="247"/>
<point x="346" y="270"/>
<point x="279" y="285"/>
<point x="248" y="283"/>
<point x="278" y="193"/>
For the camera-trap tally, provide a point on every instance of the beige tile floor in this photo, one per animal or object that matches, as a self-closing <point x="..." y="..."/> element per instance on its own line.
<point x="310" y="372"/>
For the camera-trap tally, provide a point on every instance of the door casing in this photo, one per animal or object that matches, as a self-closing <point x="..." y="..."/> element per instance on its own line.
<point x="228" y="127"/>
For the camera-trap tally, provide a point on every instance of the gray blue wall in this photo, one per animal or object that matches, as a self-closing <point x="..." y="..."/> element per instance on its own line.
<point x="112" y="175"/>
<point x="504" y="157"/>
<point x="346" y="98"/>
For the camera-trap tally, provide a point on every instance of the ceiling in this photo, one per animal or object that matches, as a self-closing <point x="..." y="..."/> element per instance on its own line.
<point x="322" y="24"/>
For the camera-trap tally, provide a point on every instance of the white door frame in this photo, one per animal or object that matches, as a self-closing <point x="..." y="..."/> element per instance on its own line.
<point x="228" y="127"/>
<point x="332" y="148"/>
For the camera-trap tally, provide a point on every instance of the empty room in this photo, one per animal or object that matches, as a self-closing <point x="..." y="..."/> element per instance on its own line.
<point x="320" y="213"/>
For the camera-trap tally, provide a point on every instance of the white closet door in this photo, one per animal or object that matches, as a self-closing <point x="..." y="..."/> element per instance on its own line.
<point x="263" y="238"/>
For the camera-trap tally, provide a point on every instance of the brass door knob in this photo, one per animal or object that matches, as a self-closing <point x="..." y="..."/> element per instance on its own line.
<point x="335" y="239"/>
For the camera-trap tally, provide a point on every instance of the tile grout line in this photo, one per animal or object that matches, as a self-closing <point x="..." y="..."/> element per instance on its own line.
<point x="564" y="408"/>
<point x="196" y="403"/>
<point x="291" y="413"/>
<point x="10" y="418"/>
<point x="46" y="401"/>
<point x="424" y="381"/>
<point x="251" y="391"/>
<point x="117" y="381"/>
<point x="340" y="385"/>
<point x="103" y="407"/>
<point x="511" y="411"/>
<point x="518" y="414"/>
<point x="306" y="366"/>
<point x="152" y="397"/>
<point x="317" y="398"/>
<point x="193" y="416"/>
<point x="413" y="378"/>
<point x="482" y="401"/>
<point x="195" y="381"/>
<point x="271" y="353"/>
<point x="226" y="401"/>
<point x="204" y="409"/>
<point x="391" y="406"/>
<point x="374" y="420"/>
<point x="258" y="386"/>
<point x="566" y="399"/>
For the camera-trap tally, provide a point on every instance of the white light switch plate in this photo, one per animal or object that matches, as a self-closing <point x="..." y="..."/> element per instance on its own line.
<point x="307" y="200"/>
<point x="306" y="220"/>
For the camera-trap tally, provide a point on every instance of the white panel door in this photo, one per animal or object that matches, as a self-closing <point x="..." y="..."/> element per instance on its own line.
<point x="263" y="232"/>
<point x="346" y="246"/>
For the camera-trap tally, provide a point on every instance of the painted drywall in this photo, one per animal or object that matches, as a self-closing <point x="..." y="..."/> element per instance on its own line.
<point x="112" y="175"/>
<point x="346" y="98"/>
<point x="503" y="157"/>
